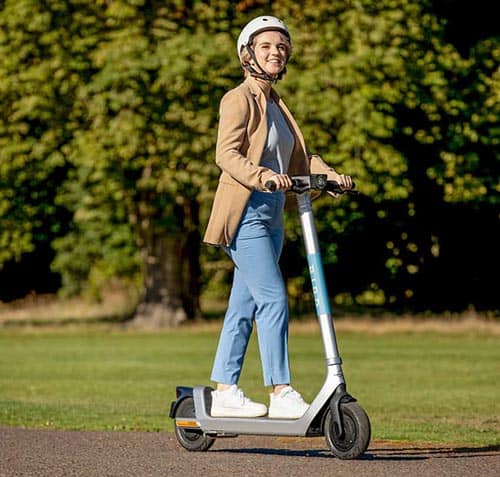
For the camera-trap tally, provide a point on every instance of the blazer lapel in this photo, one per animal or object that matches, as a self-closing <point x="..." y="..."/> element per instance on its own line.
<point x="259" y="137"/>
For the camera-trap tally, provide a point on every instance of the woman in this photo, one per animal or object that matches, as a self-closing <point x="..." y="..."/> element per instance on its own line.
<point x="258" y="141"/>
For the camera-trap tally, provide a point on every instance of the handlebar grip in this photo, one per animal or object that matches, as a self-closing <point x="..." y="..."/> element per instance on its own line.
<point x="334" y="186"/>
<point x="270" y="185"/>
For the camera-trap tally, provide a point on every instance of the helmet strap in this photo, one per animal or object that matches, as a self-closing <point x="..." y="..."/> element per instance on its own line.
<point x="258" y="74"/>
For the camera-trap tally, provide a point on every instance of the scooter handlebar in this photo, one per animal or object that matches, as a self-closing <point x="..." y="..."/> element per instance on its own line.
<point x="314" y="182"/>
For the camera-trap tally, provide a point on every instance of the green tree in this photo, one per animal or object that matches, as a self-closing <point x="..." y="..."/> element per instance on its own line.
<point x="117" y="101"/>
<point x="43" y="49"/>
<point x="381" y="95"/>
<point x="143" y="157"/>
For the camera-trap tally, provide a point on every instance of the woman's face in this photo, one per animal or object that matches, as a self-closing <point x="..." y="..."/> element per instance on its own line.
<point x="271" y="50"/>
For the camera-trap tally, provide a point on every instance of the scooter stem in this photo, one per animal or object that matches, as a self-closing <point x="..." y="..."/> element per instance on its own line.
<point x="318" y="282"/>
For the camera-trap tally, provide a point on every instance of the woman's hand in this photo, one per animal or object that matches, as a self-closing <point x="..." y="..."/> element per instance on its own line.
<point x="345" y="182"/>
<point x="283" y="181"/>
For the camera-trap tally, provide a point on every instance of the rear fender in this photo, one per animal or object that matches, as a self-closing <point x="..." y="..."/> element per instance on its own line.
<point x="181" y="392"/>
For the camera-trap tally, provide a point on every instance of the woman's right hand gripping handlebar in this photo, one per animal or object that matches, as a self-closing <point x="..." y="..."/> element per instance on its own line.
<point x="282" y="182"/>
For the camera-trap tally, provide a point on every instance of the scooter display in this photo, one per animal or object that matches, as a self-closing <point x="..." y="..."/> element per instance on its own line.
<point x="333" y="413"/>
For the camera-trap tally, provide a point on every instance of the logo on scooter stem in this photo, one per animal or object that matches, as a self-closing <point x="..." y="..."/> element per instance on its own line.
<point x="318" y="284"/>
<point x="314" y="287"/>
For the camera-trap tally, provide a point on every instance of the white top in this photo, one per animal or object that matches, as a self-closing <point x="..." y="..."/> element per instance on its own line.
<point x="280" y="141"/>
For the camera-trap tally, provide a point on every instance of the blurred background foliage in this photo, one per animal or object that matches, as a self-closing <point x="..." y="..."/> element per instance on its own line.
<point x="107" y="135"/>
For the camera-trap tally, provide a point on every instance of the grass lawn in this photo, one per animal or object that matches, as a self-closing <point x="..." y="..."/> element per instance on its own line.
<point x="415" y="386"/>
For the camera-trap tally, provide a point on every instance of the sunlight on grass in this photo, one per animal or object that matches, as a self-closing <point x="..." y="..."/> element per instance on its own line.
<point x="432" y="387"/>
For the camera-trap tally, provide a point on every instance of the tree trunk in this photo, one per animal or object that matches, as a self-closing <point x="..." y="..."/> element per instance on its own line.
<point x="162" y="302"/>
<point x="191" y="261"/>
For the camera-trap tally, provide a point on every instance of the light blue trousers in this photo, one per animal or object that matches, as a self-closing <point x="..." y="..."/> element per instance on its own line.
<point x="258" y="293"/>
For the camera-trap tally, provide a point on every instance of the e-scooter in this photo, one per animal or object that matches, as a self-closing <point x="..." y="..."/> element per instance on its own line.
<point x="333" y="413"/>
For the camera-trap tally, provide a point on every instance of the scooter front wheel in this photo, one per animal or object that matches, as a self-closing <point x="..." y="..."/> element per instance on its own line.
<point x="189" y="438"/>
<point x="354" y="440"/>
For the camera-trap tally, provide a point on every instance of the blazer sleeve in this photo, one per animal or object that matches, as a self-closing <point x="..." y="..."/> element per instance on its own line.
<point x="318" y="166"/>
<point x="232" y="140"/>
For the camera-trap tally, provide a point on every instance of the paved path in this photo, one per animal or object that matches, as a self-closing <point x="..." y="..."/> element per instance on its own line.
<point x="50" y="453"/>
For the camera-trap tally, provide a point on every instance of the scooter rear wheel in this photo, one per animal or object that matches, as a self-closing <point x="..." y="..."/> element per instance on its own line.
<point x="191" y="439"/>
<point x="354" y="441"/>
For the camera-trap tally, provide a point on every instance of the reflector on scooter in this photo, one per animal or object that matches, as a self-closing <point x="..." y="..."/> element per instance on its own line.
<point x="186" y="423"/>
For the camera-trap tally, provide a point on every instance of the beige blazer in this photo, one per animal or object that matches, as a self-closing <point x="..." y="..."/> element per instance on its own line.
<point x="241" y="140"/>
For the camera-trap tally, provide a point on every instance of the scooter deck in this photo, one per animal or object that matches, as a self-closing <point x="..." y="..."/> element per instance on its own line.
<point x="247" y="425"/>
<point x="307" y="425"/>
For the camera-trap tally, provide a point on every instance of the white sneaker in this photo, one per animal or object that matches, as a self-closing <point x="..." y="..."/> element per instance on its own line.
<point x="288" y="404"/>
<point x="233" y="403"/>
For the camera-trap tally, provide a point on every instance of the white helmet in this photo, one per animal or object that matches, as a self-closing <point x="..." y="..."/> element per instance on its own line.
<point x="258" y="25"/>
